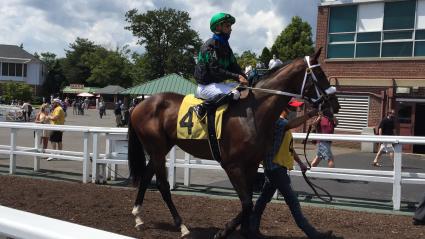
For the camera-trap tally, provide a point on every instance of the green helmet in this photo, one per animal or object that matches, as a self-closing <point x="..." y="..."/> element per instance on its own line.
<point x="219" y="18"/>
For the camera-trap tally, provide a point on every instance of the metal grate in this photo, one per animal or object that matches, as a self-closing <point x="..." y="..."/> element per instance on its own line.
<point x="353" y="115"/>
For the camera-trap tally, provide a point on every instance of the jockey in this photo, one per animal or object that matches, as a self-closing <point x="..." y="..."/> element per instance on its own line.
<point x="216" y="65"/>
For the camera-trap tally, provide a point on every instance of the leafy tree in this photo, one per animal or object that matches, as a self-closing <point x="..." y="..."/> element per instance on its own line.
<point x="169" y="41"/>
<point x="265" y="56"/>
<point x="74" y="68"/>
<point x="18" y="91"/>
<point x="294" y="41"/>
<point x="55" y="79"/>
<point x="108" y="67"/>
<point x="247" y="58"/>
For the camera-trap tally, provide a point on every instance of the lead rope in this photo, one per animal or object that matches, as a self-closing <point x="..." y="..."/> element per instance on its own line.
<point x="307" y="180"/>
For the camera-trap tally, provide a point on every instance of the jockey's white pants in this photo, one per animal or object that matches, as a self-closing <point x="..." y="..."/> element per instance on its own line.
<point x="211" y="90"/>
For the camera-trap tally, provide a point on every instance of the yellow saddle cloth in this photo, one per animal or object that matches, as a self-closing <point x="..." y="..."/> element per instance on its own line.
<point x="188" y="124"/>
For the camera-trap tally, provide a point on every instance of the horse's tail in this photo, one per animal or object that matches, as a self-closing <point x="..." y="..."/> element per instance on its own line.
<point x="136" y="155"/>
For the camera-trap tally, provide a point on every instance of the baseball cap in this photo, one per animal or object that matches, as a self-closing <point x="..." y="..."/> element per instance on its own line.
<point x="295" y="103"/>
<point x="56" y="100"/>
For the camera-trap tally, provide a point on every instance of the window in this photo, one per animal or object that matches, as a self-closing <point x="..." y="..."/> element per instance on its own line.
<point x="18" y="69"/>
<point x="25" y="70"/>
<point x="5" y="69"/>
<point x="12" y="69"/>
<point x="378" y="29"/>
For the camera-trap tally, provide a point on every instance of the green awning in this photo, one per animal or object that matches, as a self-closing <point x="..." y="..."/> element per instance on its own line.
<point x="69" y="90"/>
<point x="168" y="83"/>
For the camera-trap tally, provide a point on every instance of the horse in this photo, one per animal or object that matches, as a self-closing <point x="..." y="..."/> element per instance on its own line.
<point x="246" y="135"/>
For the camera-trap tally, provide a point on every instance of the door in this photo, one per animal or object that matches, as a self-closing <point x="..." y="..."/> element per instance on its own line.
<point x="404" y="116"/>
<point x="419" y="127"/>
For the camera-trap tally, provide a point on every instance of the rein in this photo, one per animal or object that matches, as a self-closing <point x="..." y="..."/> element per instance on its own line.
<point x="307" y="180"/>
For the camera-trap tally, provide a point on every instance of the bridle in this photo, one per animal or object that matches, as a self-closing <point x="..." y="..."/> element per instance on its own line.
<point x="322" y="95"/>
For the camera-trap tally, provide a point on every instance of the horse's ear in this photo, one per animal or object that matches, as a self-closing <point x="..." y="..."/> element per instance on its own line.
<point x="316" y="55"/>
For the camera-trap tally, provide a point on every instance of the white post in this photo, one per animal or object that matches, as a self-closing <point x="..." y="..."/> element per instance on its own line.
<point x="12" y="159"/>
<point x="94" y="159"/>
<point x="86" y="157"/>
<point x="187" y="158"/>
<point x="172" y="169"/>
<point x="37" y="149"/>
<point x="108" y="151"/>
<point x="397" y="177"/>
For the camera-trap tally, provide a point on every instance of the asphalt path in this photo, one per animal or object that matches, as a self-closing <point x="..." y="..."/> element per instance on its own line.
<point x="348" y="193"/>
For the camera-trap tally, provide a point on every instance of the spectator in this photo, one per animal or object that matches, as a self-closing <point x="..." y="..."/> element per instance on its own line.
<point x="42" y="118"/>
<point x="27" y="111"/>
<point x="325" y="123"/>
<point x="419" y="218"/>
<point x="276" y="165"/>
<point x="102" y="108"/>
<point x="117" y="112"/>
<point x="86" y="103"/>
<point x="56" y="117"/>
<point x="74" y="107"/>
<point x="386" y="127"/>
<point x="274" y="62"/>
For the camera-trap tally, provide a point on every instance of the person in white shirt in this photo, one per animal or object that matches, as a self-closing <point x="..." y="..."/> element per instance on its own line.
<point x="274" y="62"/>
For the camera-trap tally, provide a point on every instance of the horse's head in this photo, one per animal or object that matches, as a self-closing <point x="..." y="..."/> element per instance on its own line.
<point x="316" y="88"/>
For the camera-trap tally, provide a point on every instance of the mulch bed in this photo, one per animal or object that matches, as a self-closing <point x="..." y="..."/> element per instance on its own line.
<point x="109" y="209"/>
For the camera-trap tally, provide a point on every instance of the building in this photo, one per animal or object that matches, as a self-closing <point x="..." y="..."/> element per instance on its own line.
<point x="17" y="65"/>
<point x="374" y="52"/>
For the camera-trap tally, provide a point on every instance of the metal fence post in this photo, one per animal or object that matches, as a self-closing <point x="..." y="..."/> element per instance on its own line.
<point x="37" y="149"/>
<point x="397" y="177"/>
<point x="187" y="169"/>
<point x="12" y="158"/>
<point x="172" y="168"/>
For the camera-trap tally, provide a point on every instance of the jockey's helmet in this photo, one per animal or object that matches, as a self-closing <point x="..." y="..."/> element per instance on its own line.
<point x="219" y="18"/>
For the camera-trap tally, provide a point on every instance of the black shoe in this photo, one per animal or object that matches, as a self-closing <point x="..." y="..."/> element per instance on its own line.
<point x="200" y="111"/>
<point x="418" y="222"/>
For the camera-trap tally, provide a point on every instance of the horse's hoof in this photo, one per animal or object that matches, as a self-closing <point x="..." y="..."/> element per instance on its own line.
<point x="139" y="224"/>
<point x="185" y="232"/>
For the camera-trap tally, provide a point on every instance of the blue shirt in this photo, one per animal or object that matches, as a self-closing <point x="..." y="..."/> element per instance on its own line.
<point x="278" y="133"/>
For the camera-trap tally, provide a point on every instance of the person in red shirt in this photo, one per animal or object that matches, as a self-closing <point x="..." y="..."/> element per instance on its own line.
<point x="325" y="124"/>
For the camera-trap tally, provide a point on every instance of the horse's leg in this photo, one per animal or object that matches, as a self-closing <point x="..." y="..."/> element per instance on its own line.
<point x="144" y="183"/>
<point x="164" y="188"/>
<point x="242" y="180"/>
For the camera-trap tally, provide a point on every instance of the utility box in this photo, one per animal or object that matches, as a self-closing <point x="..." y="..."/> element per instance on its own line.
<point x="368" y="147"/>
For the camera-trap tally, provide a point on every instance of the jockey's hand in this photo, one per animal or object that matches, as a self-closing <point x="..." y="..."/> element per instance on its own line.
<point x="243" y="80"/>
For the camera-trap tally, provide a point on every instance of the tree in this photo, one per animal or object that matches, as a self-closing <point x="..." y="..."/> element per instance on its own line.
<point x="294" y="41"/>
<point x="265" y="56"/>
<point x="247" y="58"/>
<point x="55" y="79"/>
<point x="108" y="67"/>
<point x="169" y="41"/>
<point x="18" y="91"/>
<point x="74" y="68"/>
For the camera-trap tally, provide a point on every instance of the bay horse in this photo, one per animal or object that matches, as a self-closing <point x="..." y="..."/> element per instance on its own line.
<point x="246" y="135"/>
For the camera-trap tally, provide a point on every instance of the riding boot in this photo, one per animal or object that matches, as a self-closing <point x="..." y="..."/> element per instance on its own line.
<point x="211" y="104"/>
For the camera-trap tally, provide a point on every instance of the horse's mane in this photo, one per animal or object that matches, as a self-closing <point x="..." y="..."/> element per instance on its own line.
<point x="270" y="73"/>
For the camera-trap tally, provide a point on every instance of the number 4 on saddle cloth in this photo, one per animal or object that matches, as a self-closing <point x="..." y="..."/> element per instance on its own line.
<point x="189" y="126"/>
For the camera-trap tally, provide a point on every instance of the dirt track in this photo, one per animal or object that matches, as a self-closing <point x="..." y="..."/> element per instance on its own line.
<point x="109" y="209"/>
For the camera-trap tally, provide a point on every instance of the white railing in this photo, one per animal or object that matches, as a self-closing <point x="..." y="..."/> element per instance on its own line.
<point x="19" y="224"/>
<point x="116" y="154"/>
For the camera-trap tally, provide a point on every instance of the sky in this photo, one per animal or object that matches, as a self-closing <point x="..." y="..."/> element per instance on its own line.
<point x="51" y="25"/>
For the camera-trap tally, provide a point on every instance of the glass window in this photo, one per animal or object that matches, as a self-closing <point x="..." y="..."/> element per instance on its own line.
<point x="404" y="114"/>
<point x="12" y="68"/>
<point x="341" y="37"/>
<point x="397" y="49"/>
<point x="18" y="69"/>
<point x="399" y="15"/>
<point x="398" y="35"/>
<point x="367" y="50"/>
<point x="420" y="48"/>
<point x="420" y="35"/>
<point x="25" y="70"/>
<point x="5" y="69"/>
<point x="340" y="50"/>
<point x="343" y="19"/>
<point x="368" y="36"/>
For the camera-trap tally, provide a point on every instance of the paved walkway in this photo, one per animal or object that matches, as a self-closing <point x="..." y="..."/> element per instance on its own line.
<point x="362" y="195"/>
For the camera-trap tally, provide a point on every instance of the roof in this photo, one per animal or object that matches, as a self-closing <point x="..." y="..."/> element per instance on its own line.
<point x="15" y="53"/>
<point x="168" y="83"/>
<point x="110" y="90"/>
<point x="69" y="90"/>
<point x="345" y="2"/>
